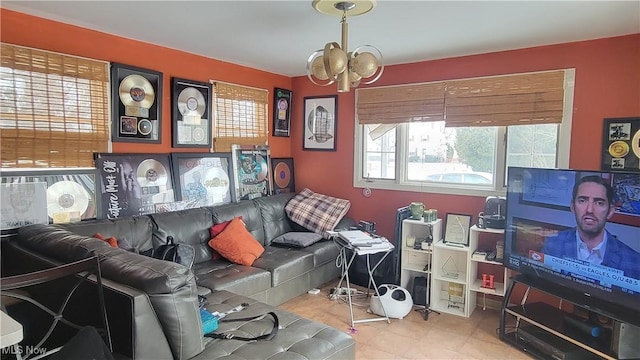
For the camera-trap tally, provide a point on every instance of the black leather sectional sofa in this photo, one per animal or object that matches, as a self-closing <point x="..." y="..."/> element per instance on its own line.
<point x="152" y="305"/>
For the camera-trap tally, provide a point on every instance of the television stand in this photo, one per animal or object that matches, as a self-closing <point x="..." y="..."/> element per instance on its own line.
<point x="548" y="332"/>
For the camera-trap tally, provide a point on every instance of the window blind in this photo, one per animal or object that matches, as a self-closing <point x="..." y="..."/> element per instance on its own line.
<point x="54" y="108"/>
<point x="398" y="104"/>
<point x="240" y="116"/>
<point x="518" y="99"/>
<point x="522" y="99"/>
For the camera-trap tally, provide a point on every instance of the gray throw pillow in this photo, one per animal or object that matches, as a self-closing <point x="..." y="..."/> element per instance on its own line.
<point x="297" y="239"/>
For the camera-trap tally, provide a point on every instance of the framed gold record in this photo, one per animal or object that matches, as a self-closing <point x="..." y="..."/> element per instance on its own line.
<point x="136" y="100"/>
<point x="191" y="113"/>
<point x="621" y="144"/>
<point x="283" y="176"/>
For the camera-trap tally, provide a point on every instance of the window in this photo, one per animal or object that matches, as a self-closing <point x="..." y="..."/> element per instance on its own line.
<point x="240" y="116"/>
<point x="53" y="109"/>
<point x="463" y="135"/>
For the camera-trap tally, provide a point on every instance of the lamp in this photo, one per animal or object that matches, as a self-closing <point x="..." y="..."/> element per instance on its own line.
<point x="334" y="63"/>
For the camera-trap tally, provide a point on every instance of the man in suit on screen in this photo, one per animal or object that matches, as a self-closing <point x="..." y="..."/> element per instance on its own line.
<point x="592" y="205"/>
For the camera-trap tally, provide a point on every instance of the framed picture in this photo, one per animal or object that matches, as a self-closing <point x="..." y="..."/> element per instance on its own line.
<point x="191" y="113"/>
<point x="320" y="119"/>
<point x="252" y="171"/>
<point x="281" y="112"/>
<point x="61" y="195"/>
<point x="457" y="229"/>
<point x="206" y="178"/>
<point x="621" y="144"/>
<point x="283" y="179"/>
<point x="136" y="100"/>
<point x="132" y="184"/>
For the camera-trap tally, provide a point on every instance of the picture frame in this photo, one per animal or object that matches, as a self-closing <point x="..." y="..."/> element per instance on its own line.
<point x="252" y="171"/>
<point x="136" y="104"/>
<point x="191" y="113"/>
<point x="70" y="194"/>
<point x="132" y="184"/>
<point x="457" y="229"/>
<point x="621" y="144"/>
<point x="204" y="178"/>
<point x="281" y="112"/>
<point x="320" y="120"/>
<point x="283" y="175"/>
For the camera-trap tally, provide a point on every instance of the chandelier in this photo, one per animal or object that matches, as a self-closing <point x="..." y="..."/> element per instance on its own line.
<point x="335" y="63"/>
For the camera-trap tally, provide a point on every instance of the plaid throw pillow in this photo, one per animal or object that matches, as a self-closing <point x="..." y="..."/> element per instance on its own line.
<point x="316" y="212"/>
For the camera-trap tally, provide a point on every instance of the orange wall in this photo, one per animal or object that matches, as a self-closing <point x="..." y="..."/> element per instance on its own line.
<point x="607" y="85"/>
<point x="21" y="29"/>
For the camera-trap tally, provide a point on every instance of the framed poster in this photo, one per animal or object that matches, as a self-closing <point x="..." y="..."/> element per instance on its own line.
<point x="457" y="229"/>
<point x="191" y="113"/>
<point x="136" y="100"/>
<point x="205" y="178"/>
<point x="69" y="195"/>
<point x="132" y="184"/>
<point x="281" y="112"/>
<point x="320" y="119"/>
<point x="621" y="144"/>
<point x="283" y="179"/>
<point x="252" y="171"/>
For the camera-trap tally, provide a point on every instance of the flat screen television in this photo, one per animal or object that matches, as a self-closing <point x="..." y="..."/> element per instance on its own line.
<point x="541" y="231"/>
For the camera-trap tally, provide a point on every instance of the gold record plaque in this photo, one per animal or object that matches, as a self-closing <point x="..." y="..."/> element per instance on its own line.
<point x="621" y="144"/>
<point x="191" y="113"/>
<point x="136" y="98"/>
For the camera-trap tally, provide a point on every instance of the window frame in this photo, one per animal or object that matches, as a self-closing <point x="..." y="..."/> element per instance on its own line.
<point x="401" y="183"/>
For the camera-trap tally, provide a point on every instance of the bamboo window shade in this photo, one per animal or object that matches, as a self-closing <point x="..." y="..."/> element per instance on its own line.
<point x="399" y="104"/>
<point x="54" y="108"/>
<point x="519" y="99"/>
<point x="240" y="116"/>
<point x="522" y="99"/>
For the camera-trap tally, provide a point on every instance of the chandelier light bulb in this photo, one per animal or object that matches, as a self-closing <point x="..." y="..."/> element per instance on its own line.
<point x="317" y="68"/>
<point x="338" y="61"/>
<point x="365" y="64"/>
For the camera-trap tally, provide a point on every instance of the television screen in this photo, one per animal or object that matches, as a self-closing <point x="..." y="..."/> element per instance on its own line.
<point x="577" y="231"/>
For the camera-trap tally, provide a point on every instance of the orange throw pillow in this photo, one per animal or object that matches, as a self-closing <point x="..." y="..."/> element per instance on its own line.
<point x="237" y="244"/>
<point x="112" y="241"/>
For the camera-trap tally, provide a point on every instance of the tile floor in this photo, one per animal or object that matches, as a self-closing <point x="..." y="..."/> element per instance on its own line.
<point x="440" y="337"/>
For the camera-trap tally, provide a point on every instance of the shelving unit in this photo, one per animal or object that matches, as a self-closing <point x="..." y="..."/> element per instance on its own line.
<point x="489" y="267"/>
<point x="416" y="262"/>
<point x="450" y="277"/>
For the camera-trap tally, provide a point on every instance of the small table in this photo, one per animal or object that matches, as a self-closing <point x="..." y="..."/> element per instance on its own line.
<point x="346" y="262"/>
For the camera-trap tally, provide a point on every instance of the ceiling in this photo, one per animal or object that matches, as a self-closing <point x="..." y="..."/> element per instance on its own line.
<point x="279" y="36"/>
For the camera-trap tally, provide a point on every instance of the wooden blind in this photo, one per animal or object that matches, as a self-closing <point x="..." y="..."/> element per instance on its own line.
<point x="53" y="108"/>
<point x="399" y="104"/>
<point x="240" y="116"/>
<point x="522" y="99"/>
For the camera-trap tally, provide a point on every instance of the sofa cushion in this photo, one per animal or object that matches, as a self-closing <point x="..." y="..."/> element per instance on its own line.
<point x="135" y="230"/>
<point x="284" y="264"/>
<point x="323" y="251"/>
<point x="186" y="226"/>
<point x="316" y="212"/>
<point x="297" y="239"/>
<point x="224" y="275"/>
<point x="297" y="338"/>
<point x="236" y="244"/>
<point x="249" y="212"/>
<point x="56" y="242"/>
<point x="274" y="218"/>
